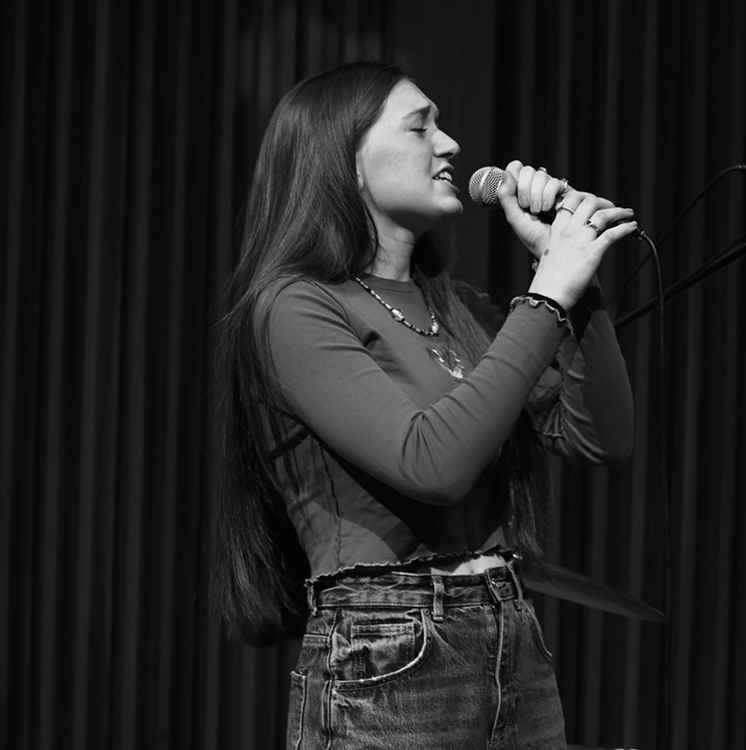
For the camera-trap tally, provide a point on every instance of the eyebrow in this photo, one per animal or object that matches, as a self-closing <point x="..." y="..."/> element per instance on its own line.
<point x="424" y="111"/>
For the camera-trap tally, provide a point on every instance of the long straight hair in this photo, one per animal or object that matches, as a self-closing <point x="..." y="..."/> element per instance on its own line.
<point x="305" y="218"/>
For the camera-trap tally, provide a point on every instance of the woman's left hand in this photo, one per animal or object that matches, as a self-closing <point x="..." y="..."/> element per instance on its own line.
<point x="536" y="192"/>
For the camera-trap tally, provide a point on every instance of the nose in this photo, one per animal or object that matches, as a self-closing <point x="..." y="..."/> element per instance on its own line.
<point x="446" y="146"/>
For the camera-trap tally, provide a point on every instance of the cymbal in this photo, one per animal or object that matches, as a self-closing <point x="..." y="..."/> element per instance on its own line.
<point x="554" y="580"/>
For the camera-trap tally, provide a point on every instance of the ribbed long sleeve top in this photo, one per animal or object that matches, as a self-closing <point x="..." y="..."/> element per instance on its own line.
<point x="388" y="457"/>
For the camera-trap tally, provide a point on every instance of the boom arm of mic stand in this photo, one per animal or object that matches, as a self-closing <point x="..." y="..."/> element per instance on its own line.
<point x="697" y="198"/>
<point x="732" y="253"/>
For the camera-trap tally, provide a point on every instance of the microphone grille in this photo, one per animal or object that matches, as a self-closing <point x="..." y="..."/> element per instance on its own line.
<point x="484" y="184"/>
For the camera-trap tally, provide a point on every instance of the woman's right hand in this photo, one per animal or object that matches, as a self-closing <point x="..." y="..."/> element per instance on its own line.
<point x="573" y="248"/>
<point x="576" y="247"/>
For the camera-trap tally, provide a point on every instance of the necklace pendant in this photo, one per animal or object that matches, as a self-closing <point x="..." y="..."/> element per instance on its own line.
<point x="447" y="359"/>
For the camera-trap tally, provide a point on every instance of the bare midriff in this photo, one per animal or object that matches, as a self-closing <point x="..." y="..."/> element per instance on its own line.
<point x="465" y="567"/>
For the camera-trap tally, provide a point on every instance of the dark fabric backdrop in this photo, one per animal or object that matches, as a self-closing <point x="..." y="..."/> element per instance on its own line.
<point x="129" y="131"/>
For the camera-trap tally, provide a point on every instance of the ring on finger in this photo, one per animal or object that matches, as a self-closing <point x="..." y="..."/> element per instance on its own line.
<point x="541" y="169"/>
<point x="565" y="208"/>
<point x="590" y="224"/>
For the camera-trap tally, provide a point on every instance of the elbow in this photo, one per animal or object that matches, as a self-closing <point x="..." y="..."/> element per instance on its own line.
<point x="609" y="440"/>
<point x="623" y="448"/>
<point x="617" y="447"/>
<point x="621" y="445"/>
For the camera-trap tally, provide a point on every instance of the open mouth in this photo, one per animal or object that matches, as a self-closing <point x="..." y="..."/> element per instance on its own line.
<point x="445" y="176"/>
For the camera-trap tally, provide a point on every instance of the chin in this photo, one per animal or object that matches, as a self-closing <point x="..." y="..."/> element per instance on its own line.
<point x="453" y="208"/>
<point x="427" y="218"/>
<point x="445" y="212"/>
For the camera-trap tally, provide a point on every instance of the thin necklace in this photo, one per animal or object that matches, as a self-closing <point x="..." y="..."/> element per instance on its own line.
<point x="441" y="353"/>
<point x="398" y="315"/>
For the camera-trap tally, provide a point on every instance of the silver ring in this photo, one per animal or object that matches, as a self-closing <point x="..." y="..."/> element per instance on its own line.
<point x="541" y="169"/>
<point x="590" y="224"/>
<point x="565" y="208"/>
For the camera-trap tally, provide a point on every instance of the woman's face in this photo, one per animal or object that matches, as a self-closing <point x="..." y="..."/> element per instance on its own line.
<point x="403" y="164"/>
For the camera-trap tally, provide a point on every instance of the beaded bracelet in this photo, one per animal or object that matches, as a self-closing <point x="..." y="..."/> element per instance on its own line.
<point x="534" y="299"/>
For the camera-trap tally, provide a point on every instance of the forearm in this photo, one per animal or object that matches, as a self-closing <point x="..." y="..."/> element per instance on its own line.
<point x="592" y="416"/>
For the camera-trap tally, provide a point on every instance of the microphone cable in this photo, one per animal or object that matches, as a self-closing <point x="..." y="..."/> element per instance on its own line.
<point x="664" y="696"/>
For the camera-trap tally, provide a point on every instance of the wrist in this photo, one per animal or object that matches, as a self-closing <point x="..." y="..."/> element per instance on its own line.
<point x="534" y="299"/>
<point x="539" y="290"/>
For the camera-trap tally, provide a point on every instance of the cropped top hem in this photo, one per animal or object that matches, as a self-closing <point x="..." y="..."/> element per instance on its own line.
<point x="362" y="569"/>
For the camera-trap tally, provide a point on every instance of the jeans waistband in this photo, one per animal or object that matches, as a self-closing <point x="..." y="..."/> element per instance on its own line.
<point x="400" y="589"/>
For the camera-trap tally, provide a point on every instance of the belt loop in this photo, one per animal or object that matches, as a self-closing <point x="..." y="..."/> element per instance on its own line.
<point x="516" y="579"/>
<point x="311" y="596"/>
<point x="438" y="590"/>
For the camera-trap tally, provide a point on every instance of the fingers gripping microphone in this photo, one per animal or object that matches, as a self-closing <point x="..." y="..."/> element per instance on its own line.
<point x="486" y="181"/>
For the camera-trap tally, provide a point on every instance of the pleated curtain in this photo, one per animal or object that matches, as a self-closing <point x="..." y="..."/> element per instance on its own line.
<point x="129" y="132"/>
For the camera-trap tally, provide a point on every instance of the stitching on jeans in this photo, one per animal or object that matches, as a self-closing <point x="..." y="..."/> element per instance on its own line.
<point x="302" y="709"/>
<point x="394" y="606"/>
<point x="537" y="634"/>
<point x="326" y="715"/>
<point x="500" y="617"/>
<point x="347" y="686"/>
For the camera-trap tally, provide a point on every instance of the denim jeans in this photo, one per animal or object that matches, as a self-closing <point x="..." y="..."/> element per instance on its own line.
<point x="403" y="661"/>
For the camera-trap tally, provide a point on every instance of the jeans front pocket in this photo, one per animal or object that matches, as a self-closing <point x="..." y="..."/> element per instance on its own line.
<point x="373" y="648"/>
<point x="296" y="709"/>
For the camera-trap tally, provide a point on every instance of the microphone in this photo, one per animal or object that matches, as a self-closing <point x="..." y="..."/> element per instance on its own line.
<point x="486" y="181"/>
<point x="484" y="184"/>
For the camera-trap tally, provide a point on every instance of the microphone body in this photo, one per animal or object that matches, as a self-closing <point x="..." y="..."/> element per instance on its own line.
<point x="486" y="181"/>
<point x="483" y="187"/>
<point x="484" y="184"/>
